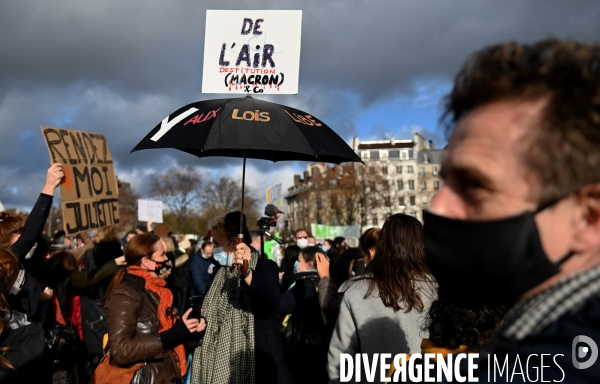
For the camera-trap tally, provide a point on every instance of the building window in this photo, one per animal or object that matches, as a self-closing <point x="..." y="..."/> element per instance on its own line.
<point x="423" y="185"/>
<point x="364" y="154"/>
<point x="400" y="185"/>
<point x="387" y="201"/>
<point x="319" y="202"/>
<point x="375" y="155"/>
<point x="424" y="199"/>
<point x="401" y="201"/>
<point x="404" y="155"/>
<point x="410" y="154"/>
<point x="436" y="184"/>
<point x="399" y="169"/>
<point x="384" y="154"/>
<point x="411" y="184"/>
<point x="435" y="171"/>
<point x="409" y="169"/>
<point x="422" y="171"/>
<point x="395" y="154"/>
<point x="425" y="159"/>
<point x="413" y="200"/>
<point x="374" y="220"/>
<point x="384" y="170"/>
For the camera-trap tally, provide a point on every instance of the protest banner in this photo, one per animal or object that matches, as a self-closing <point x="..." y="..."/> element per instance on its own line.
<point x="274" y="196"/>
<point x="321" y="231"/>
<point x="89" y="191"/>
<point x="150" y="210"/>
<point x="252" y="51"/>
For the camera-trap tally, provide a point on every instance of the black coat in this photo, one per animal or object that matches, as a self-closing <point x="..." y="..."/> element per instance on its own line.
<point x="307" y="336"/>
<point x="271" y="366"/>
<point x="554" y="340"/>
<point x="26" y="301"/>
<point x="26" y="352"/>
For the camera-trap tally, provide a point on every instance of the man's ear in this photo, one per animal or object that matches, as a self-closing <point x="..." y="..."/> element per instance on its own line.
<point x="587" y="235"/>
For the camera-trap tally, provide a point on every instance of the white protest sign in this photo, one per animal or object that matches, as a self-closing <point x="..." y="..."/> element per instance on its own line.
<point x="150" y="210"/>
<point x="252" y="52"/>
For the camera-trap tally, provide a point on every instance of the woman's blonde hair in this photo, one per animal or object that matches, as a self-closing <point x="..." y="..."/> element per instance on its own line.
<point x="106" y="235"/>
<point x="169" y="245"/>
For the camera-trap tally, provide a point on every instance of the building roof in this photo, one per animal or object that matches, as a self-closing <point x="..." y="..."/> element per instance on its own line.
<point x="429" y="156"/>
<point x="385" y="144"/>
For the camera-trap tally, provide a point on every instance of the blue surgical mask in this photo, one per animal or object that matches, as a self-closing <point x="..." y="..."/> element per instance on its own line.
<point x="222" y="257"/>
<point x="324" y="248"/>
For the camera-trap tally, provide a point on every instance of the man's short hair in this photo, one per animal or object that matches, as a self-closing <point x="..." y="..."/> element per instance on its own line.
<point x="563" y="153"/>
<point x="300" y="230"/>
<point x="59" y="237"/>
<point x="255" y="234"/>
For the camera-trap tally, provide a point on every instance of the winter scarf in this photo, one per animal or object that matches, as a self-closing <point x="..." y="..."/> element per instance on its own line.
<point x="157" y="285"/>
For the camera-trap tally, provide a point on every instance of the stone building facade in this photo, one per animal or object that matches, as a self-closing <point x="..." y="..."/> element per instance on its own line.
<point x="399" y="176"/>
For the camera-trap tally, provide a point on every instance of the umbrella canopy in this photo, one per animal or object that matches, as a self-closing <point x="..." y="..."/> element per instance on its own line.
<point x="248" y="128"/>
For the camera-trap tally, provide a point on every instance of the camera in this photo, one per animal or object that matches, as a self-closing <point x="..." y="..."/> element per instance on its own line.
<point x="265" y="223"/>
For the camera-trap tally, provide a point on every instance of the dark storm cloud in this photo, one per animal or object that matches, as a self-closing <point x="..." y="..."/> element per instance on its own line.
<point x="118" y="68"/>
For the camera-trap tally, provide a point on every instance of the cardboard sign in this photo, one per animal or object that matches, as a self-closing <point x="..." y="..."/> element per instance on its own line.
<point x="89" y="192"/>
<point x="150" y="210"/>
<point x="252" y="52"/>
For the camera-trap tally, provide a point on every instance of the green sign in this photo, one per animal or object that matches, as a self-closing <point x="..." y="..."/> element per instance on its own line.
<point x="321" y="231"/>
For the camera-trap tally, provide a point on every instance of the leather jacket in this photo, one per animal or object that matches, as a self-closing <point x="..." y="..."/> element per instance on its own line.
<point x="133" y="325"/>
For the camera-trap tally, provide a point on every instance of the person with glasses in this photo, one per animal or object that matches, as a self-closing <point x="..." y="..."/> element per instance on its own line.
<point x="142" y="325"/>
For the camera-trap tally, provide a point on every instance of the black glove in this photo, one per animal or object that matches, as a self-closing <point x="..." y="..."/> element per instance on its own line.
<point x="174" y="336"/>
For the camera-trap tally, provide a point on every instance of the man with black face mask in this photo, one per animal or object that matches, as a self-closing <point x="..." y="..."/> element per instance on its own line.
<point x="518" y="219"/>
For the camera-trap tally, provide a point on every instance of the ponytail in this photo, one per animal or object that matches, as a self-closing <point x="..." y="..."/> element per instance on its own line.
<point x="115" y="281"/>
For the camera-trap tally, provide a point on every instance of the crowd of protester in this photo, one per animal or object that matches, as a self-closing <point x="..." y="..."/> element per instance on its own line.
<point x="507" y="262"/>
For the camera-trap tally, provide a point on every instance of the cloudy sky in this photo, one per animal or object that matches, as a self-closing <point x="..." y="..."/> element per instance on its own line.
<point x="368" y="68"/>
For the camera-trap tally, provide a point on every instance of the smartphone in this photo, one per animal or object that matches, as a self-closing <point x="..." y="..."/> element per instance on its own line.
<point x="196" y="304"/>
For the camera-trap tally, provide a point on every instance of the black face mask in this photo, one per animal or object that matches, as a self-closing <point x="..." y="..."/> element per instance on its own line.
<point x="486" y="262"/>
<point x="162" y="268"/>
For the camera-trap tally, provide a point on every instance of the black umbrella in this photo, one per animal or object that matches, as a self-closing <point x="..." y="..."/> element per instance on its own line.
<point x="248" y="128"/>
<point x="251" y="128"/>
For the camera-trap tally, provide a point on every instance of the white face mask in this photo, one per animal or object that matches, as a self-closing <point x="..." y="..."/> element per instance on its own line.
<point x="302" y="243"/>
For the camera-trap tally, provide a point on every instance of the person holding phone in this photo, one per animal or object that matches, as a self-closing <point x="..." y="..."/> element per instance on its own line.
<point x="142" y="325"/>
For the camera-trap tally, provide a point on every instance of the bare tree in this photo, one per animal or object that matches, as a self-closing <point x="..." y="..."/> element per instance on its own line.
<point x="224" y="195"/>
<point x="179" y="189"/>
<point x="128" y="198"/>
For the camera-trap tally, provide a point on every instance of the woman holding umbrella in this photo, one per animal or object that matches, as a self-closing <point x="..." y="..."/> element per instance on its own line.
<point x="242" y="342"/>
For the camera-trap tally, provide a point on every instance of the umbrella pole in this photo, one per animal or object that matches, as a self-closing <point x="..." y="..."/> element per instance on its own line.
<point x="243" y="184"/>
<point x="242" y="269"/>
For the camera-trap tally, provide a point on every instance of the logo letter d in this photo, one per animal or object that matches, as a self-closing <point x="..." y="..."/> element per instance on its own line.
<point x="583" y="352"/>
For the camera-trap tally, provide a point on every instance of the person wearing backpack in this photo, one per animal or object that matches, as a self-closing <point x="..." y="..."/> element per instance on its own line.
<point x="304" y="325"/>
